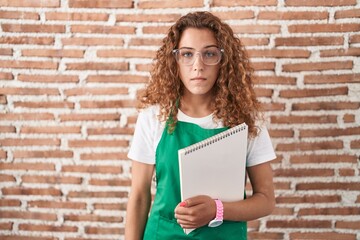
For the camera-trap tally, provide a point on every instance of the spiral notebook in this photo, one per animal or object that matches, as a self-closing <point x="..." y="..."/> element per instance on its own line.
<point x="215" y="166"/>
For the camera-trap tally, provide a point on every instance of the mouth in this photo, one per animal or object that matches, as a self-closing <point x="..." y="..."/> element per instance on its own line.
<point x="198" y="79"/>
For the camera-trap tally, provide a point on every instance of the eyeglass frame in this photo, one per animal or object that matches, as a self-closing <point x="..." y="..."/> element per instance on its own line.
<point x="176" y="51"/>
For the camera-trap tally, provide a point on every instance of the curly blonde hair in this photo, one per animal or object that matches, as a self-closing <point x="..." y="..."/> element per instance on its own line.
<point x="234" y="97"/>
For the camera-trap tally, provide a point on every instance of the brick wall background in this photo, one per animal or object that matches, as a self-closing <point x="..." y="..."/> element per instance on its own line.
<point x="70" y="71"/>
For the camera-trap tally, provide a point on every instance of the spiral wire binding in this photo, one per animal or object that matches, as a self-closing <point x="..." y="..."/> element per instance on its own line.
<point x="215" y="138"/>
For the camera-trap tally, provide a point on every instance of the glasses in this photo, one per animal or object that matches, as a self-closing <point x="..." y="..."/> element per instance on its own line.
<point x="209" y="56"/>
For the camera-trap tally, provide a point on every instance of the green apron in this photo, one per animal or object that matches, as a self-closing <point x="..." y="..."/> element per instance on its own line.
<point x="162" y="224"/>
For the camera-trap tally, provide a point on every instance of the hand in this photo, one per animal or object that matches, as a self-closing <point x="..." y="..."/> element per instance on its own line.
<point x="195" y="212"/>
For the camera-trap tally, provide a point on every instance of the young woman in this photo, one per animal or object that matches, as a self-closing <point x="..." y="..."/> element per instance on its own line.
<point x="201" y="83"/>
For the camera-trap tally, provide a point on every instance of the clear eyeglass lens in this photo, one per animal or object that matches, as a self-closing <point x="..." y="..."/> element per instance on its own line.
<point x="209" y="56"/>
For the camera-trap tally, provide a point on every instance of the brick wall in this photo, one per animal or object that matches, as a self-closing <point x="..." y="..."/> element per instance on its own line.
<point x="70" y="71"/>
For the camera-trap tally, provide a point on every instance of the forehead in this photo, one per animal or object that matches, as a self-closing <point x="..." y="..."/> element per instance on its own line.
<point x="197" y="38"/>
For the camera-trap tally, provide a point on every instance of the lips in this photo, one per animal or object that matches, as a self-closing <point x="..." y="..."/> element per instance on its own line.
<point x="198" y="79"/>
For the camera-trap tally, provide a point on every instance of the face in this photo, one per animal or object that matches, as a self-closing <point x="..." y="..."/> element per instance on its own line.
<point x="198" y="78"/>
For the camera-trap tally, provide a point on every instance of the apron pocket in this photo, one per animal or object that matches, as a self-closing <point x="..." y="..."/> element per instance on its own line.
<point x="169" y="230"/>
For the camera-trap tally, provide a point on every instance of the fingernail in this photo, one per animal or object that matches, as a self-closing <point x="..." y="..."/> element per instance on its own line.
<point x="183" y="204"/>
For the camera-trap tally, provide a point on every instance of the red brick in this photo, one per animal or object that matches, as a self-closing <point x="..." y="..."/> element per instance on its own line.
<point x="6" y="76"/>
<point x="322" y="235"/>
<point x="6" y="51"/>
<point x="3" y="99"/>
<point x="127" y="53"/>
<point x="298" y="224"/>
<point x="352" y="13"/>
<point x="93" y="218"/>
<point x="317" y="66"/>
<point x="28" y="166"/>
<point x="274" y="80"/>
<point x="254" y="29"/>
<point x="147" y="17"/>
<point x="29" y="64"/>
<point x="145" y="42"/>
<point x="89" y="117"/>
<point x="314" y="28"/>
<point x="50" y="130"/>
<point x="273" y="106"/>
<point x="354" y="39"/>
<point x="283" y="211"/>
<point x="92" y="169"/>
<point x="265" y="235"/>
<point x="6" y="226"/>
<point x="48" y="78"/>
<point x="29" y="91"/>
<point x="155" y="29"/>
<point x="101" y="4"/>
<point x="310" y="146"/>
<point x="30" y="3"/>
<point x="101" y="29"/>
<point x="233" y="3"/>
<point x="28" y="215"/>
<point x="303" y="172"/>
<point x="333" y="132"/>
<point x="109" y="104"/>
<point x="104" y="156"/>
<point x="5" y="177"/>
<point x="57" y="204"/>
<point x="340" y="52"/>
<point x="93" y="41"/>
<point x="43" y="154"/>
<point x="110" y="182"/>
<point x="19" y="15"/>
<point x="230" y="15"/>
<point x="105" y="194"/>
<point x="7" y="129"/>
<point x="118" y="66"/>
<point x="29" y="142"/>
<point x="96" y="91"/>
<point x="110" y="206"/>
<point x="52" y="179"/>
<point x="170" y="4"/>
<point x="347" y="211"/>
<point x="25" y="237"/>
<point x="305" y="159"/>
<point x="348" y="186"/>
<point x="355" y="144"/>
<point x="326" y="79"/>
<point x="348" y="225"/>
<point x="308" y="199"/>
<point x="281" y="133"/>
<point x="329" y="3"/>
<point x="104" y="230"/>
<point x="26" y="116"/>
<point x="263" y="66"/>
<point x="83" y="16"/>
<point x="62" y="104"/>
<point x="264" y="92"/>
<point x="10" y="203"/>
<point x="349" y="118"/>
<point x="347" y="172"/>
<point x="279" y="53"/>
<point x="290" y="15"/>
<point x="47" y="228"/>
<point x="110" y="131"/>
<point x="308" y="93"/>
<point x="97" y="143"/>
<point x="27" y="40"/>
<point x="304" y="119"/>
<point x="117" y="79"/>
<point x="31" y="191"/>
<point x="53" y="53"/>
<point x="33" y="28"/>
<point x="308" y="41"/>
<point x="255" y="41"/>
<point x="325" y="106"/>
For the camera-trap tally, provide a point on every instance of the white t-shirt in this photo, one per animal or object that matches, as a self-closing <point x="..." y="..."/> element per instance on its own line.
<point x="149" y="129"/>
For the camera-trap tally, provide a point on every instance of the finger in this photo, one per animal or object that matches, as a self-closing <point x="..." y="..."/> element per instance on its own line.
<point x="190" y="202"/>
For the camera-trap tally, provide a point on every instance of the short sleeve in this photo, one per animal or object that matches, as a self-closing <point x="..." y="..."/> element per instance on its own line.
<point x="260" y="148"/>
<point x="142" y="148"/>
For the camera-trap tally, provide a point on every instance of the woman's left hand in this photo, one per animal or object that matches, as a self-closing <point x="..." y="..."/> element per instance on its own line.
<point x="195" y="212"/>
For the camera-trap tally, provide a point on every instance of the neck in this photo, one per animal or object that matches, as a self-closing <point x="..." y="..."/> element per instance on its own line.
<point x="196" y="106"/>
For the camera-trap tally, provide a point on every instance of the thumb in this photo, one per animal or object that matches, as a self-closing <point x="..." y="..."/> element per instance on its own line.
<point x="190" y="202"/>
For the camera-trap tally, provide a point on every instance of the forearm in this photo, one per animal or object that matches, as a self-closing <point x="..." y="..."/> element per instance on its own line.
<point x="256" y="206"/>
<point x="136" y="217"/>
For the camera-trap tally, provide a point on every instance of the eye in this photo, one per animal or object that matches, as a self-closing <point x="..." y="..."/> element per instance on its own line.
<point x="186" y="54"/>
<point x="210" y="53"/>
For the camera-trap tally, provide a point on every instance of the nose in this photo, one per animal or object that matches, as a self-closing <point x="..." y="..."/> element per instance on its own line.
<point x="198" y="63"/>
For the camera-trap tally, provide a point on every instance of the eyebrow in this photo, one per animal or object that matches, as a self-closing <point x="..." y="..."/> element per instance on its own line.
<point x="209" y="46"/>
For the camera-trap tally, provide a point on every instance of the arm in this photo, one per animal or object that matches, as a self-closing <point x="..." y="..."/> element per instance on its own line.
<point x="139" y="200"/>
<point x="200" y="210"/>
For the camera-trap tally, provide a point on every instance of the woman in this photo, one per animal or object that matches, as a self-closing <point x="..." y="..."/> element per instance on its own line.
<point x="201" y="83"/>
